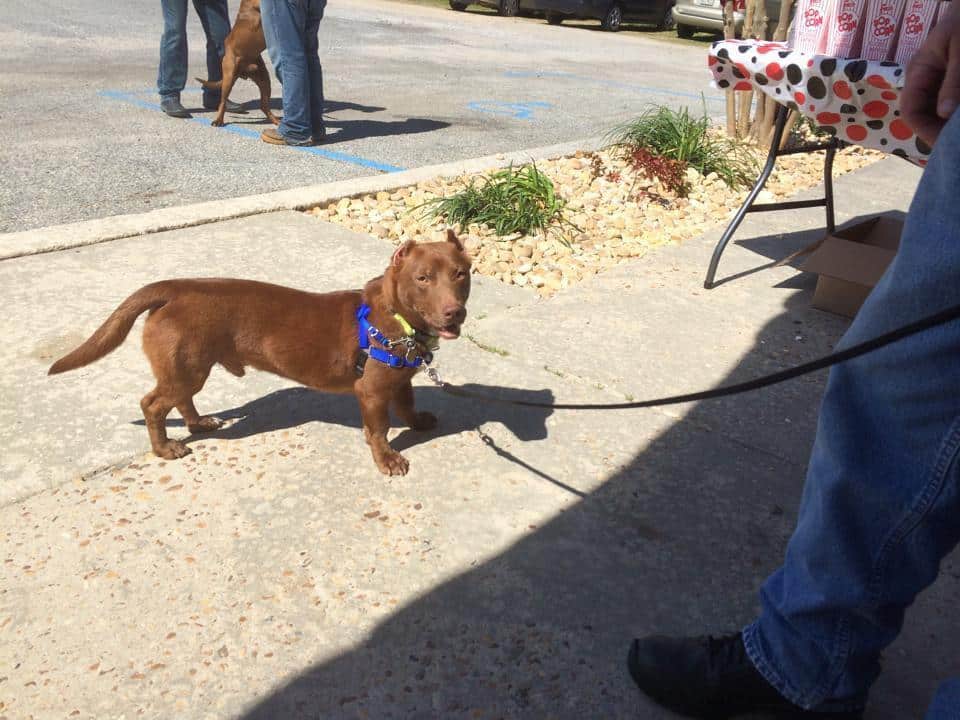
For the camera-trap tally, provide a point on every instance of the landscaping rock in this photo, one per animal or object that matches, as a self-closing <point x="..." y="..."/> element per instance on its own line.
<point x="613" y="217"/>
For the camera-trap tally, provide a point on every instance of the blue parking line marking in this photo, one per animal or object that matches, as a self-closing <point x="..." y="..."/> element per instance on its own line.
<point x="130" y="97"/>
<point x="518" y="110"/>
<point x="610" y="83"/>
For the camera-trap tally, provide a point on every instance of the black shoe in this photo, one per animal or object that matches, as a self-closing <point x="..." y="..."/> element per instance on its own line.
<point x="707" y="677"/>
<point x="231" y="107"/>
<point x="173" y="108"/>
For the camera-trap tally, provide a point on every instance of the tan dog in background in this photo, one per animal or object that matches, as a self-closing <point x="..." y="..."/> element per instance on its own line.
<point x="241" y="59"/>
<point x="311" y="338"/>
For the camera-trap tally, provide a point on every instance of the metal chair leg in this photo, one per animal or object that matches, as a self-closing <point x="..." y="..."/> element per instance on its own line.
<point x="828" y="186"/>
<point x="781" y="121"/>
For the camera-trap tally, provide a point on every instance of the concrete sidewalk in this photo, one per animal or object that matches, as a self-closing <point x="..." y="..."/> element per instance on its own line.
<point x="275" y="573"/>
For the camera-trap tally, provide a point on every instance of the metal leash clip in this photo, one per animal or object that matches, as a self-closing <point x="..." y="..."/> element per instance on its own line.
<point x="434" y="376"/>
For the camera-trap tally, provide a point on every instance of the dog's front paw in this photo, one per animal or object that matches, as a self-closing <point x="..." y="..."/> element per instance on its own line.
<point x="172" y="450"/>
<point x="424" y="421"/>
<point x="218" y="122"/>
<point x="274" y="119"/>
<point x="207" y="423"/>
<point x="393" y="463"/>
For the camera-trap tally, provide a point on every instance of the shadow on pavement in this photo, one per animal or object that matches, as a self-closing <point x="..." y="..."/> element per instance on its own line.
<point x="676" y="541"/>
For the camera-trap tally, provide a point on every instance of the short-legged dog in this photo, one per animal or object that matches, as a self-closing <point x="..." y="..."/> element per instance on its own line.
<point x="312" y="338"/>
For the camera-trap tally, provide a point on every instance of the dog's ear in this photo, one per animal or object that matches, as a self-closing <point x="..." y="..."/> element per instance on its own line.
<point x="402" y="252"/>
<point x="452" y="238"/>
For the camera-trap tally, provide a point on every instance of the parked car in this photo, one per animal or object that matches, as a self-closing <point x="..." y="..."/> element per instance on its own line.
<point x="611" y="13"/>
<point x="707" y="15"/>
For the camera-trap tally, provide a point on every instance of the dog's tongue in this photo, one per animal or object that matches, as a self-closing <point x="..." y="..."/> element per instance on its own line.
<point x="451" y="333"/>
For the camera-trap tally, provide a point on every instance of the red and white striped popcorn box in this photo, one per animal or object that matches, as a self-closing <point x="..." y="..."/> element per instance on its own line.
<point x="943" y="10"/>
<point x="809" y="32"/>
<point x="845" y="28"/>
<point x="881" y="29"/>
<point x="918" y="20"/>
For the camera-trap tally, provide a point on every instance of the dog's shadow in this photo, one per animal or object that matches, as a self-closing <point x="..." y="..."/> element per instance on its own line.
<point x="292" y="407"/>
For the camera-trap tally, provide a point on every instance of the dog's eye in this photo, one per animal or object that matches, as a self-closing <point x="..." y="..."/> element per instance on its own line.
<point x="422" y="278"/>
<point x="461" y="274"/>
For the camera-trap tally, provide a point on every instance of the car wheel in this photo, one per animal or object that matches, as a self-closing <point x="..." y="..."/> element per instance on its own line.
<point x="458" y="6"/>
<point x="685" y="31"/>
<point x="613" y="18"/>
<point x="509" y="8"/>
<point x="554" y="18"/>
<point x="667" y="22"/>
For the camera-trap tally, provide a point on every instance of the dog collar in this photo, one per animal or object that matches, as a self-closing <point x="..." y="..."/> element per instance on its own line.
<point x="368" y="332"/>
<point x="431" y="342"/>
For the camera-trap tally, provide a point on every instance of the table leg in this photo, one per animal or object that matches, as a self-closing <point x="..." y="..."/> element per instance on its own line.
<point x="781" y="121"/>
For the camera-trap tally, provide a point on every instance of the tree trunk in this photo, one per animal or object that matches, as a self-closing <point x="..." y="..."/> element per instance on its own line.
<point x="779" y="35"/>
<point x="729" y="33"/>
<point x="745" y="100"/>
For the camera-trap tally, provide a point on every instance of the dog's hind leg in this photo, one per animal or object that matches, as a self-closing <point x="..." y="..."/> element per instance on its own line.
<point x="195" y="422"/>
<point x="261" y="77"/>
<point x="156" y="405"/>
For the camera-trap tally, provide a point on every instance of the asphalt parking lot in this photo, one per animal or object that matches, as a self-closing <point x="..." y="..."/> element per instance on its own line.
<point x="406" y="85"/>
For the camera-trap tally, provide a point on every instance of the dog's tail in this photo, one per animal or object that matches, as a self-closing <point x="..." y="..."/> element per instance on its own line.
<point x="210" y="84"/>
<point x="108" y="336"/>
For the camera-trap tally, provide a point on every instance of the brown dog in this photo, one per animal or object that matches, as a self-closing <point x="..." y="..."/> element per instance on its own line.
<point x="241" y="59"/>
<point x="308" y="337"/>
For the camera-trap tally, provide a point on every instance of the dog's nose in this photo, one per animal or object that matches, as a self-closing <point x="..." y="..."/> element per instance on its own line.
<point x="454" y="312"/>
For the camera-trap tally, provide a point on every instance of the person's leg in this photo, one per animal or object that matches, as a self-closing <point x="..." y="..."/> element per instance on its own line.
<point x="288" y="19"/>
<point x="946" y="703"/>
<point x="882" y="493"/>
<point x="314" y="70"/>
<point x="172" y="73"/>
<point x="270" y="36"/>
<point x="215" y="19"/>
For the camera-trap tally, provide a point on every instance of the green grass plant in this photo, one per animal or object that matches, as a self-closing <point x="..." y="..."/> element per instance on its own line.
<point x="683" y="136"/>
<point x="512" y="200"/>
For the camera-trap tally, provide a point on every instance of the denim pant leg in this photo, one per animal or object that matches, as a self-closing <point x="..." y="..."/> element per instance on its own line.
<point x="946" y="703"/>
<point x="881" y="503"/>
<point x="288" y="19"/>
<point x="172" y="75"/>
<point x="215" y="19"/>
<point x="273" y="44"/>
<point x="315" y="71"/>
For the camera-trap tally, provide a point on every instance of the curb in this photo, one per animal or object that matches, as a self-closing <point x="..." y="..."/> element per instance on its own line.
<point x="116" y="227"/>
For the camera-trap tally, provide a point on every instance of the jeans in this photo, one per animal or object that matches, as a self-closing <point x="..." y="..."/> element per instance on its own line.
<point x="172" y="76"/>
<point x="290" y="28"/>
<point x="881" y="504"/>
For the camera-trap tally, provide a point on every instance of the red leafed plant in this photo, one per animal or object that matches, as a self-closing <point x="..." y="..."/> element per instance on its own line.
<point x="672" y="174"/>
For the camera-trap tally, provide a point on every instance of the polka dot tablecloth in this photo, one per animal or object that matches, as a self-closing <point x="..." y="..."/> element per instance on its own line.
<point x="855" y="100"/>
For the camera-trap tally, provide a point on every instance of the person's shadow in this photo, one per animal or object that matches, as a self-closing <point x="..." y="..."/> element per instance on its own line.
<point x="347" y="130"/>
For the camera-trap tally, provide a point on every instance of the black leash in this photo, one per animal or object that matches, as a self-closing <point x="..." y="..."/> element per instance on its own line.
<point x="931" y="321"/>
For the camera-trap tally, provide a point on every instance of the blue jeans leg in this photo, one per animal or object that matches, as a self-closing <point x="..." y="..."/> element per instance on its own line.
<point x="293" y="26"/>
<point x="946" y="703"/>
<point x="314" y="69"/>
<point x="882" y="495"/>
<point x="273" y="43"/>
<point x="172" y="75"/>
<point x="215" y="19"/>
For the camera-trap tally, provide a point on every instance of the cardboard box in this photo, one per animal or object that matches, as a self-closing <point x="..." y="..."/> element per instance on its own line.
<point x="851" y="261"/>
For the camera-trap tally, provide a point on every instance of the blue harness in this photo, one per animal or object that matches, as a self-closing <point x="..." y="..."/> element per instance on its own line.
<point x="367" y="332"/>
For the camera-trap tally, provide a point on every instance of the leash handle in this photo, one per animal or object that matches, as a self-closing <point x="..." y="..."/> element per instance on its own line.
<point x="868" y="346"/>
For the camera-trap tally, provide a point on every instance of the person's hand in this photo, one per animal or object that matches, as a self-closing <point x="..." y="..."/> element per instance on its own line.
<point x="931" y="89"/>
